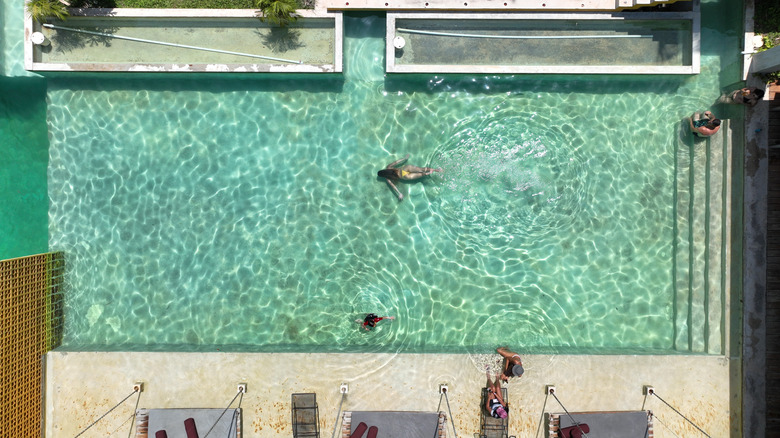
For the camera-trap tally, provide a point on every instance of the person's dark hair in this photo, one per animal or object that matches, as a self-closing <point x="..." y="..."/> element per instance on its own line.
<point x="715" y="122"/>
<point x="389" y="173"/>
<point x="370" y="319"/>
<point x="759" y="93"/>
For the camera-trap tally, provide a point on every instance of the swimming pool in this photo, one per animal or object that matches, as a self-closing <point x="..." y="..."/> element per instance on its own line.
<point x="207" y="213"/>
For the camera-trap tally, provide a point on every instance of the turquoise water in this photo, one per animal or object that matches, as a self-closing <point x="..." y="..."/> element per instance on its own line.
<point x="207" y="213"/>
<point x="23" y="191"/>
<point x="24" y="145"/>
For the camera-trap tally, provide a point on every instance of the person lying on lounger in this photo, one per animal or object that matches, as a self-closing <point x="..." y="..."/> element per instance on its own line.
<point x="392" y="174"/>
<point x="494" y="402"/>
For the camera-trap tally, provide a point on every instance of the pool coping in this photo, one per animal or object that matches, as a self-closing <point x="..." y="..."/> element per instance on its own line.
<point x="753" y="353"/>
<point x="31" y="26"/>
<point x="80" y="387"/>
<point x="693" y="16"/>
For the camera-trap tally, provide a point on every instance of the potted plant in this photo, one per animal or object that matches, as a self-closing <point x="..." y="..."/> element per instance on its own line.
<point x="278" y="12"/>
<point x="39" y="10"/>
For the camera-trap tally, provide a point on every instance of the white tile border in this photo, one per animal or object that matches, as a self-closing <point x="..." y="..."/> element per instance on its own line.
<point x="335" y="67"/>
<point x="694" y="68"/>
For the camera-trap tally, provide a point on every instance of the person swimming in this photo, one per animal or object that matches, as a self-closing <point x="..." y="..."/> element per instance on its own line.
<point x="391" y="174"/>
<point x="371" y="319"/>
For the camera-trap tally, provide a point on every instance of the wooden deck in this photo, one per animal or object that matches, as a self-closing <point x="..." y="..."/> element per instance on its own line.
<point x="773" y="269"/>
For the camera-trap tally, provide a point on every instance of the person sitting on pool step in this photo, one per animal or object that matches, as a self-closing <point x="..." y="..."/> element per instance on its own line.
<point x="513" y="365"/>
<point x="704" y="124"/>
<point x="371" y="319"/>
<point x="408" y="172"/>
<point x="749" y="96"/>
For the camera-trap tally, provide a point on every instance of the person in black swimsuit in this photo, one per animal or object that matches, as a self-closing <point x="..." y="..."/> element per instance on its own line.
<point x="371" y="319"/>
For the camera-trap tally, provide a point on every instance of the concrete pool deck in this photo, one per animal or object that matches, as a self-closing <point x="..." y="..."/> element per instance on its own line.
<point x="82" y="386"/>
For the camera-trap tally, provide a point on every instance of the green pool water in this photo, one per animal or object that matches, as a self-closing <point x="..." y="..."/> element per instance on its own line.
<point x="24" y="146"/>
<point x="205" y="213"/>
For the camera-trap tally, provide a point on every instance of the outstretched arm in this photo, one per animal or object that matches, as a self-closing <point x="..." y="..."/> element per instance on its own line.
<point x="394" y="163"/>
<point x="395" y="189"/>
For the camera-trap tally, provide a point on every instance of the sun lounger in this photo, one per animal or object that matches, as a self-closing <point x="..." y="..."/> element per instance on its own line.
<point x="613" y="424"/>
<point x="393" y="424"/>
<point x="489" y="426"/>
<point x="172" y="422"/>
<point x="305" y="415"/>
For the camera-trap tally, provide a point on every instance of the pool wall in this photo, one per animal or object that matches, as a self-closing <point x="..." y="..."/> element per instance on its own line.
<point x="31" y="325"/>
<point x="33" y="62"/>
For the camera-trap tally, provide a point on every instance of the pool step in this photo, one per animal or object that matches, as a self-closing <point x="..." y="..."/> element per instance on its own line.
<point x="701" y="243"/>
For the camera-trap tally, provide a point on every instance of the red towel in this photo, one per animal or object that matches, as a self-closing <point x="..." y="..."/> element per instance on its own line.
<point x="372" y="431"/>
<point x="189" y="427"/>
<point x="573" y="431"/>
<point x="358" y="433"/>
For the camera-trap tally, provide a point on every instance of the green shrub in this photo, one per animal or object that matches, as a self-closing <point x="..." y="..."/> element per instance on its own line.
<point x="187" y="4"/>
<point x="40" y="10"/>
<point x="278" y="12"/>
<point x="766" y="20"/>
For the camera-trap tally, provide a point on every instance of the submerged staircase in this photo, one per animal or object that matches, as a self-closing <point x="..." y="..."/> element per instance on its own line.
<point x="702" y="241"/>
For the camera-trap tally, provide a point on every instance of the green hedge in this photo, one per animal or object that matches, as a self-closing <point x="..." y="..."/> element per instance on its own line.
<point x="766" y="18"/>
<point x="196" y="4"/>
<point x="168" y="4"/>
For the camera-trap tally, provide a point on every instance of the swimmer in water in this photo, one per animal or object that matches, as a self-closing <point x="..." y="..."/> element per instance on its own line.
<point x="371" y="319"/>
<point x="392" y="174"/>
<point x="703" y="124"/>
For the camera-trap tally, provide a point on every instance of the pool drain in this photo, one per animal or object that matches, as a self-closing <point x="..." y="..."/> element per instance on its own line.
<point x="39" y="39"/>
